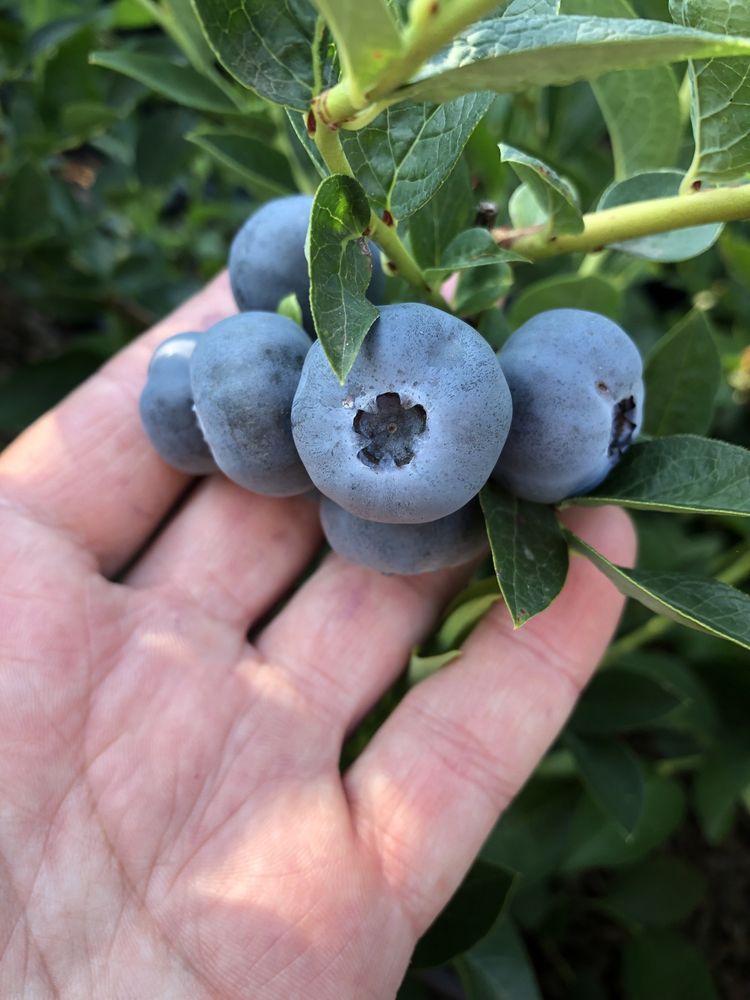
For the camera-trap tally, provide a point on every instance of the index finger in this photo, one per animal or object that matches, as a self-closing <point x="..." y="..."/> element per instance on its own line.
<point x="86" y="467"/>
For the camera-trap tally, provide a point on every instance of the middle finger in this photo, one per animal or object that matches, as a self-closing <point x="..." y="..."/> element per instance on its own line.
<point x="348" y="632"/>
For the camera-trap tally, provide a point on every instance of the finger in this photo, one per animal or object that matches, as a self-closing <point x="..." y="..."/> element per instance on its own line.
<point x="431" y="784"/>
<point x="230" y="551"/>
<point x="86" y="467"/>
<point x="347" y="633"/>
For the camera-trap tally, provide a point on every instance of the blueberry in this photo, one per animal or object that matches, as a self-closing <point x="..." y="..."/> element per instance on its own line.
<point x="406" y="548"/>
<point x="267" y="258"/>
<point x="166" y="406"/>
<point x="416" y="429"/>
<point x="577" y="388"/>
<point x="244" y="372"/>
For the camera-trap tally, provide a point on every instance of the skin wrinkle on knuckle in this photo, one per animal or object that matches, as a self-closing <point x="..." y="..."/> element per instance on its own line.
<point x="393" y="856"/>
<point x="540" y="652"/>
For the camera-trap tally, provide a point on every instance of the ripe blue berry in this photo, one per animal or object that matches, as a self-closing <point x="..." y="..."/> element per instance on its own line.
<point x="166" y="408"/>
<point x="577" y="388"/>
<point x="244" y="373"/>
<point x="416" y="429"/>
<point x="405" y="548"/>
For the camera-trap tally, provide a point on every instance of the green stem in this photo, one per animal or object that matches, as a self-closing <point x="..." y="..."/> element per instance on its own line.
<point x="399" y="260"/>
<point x="329" y="146"/>
<point x="432" y="25"/>
<point x="630" y="222"/>
<point x="655" y="627"/>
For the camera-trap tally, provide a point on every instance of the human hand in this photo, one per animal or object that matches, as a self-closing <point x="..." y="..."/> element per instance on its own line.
<point x="174" y="823"/>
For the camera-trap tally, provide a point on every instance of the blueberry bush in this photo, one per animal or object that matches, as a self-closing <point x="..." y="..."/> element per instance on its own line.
<point x="546" y="201"/>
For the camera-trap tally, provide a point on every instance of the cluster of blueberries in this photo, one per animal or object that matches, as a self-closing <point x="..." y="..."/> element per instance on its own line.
<point x="427" y="414"/>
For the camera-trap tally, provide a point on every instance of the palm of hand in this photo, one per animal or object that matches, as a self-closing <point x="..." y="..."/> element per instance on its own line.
<point x="179" y="790"/>
<point x="174" y="822"/>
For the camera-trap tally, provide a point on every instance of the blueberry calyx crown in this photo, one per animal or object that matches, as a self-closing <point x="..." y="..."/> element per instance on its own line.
<point x="390" y="430"/>
<point x="623" y="427"/>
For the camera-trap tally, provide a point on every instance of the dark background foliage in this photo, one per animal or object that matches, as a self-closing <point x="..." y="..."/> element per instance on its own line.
<point x="623" y="869"/>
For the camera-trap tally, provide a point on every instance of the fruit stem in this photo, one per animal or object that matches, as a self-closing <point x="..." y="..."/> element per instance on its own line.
<point x="630" y="222"/>
<point x="432" y="25"/>
<point x="655" y="627"/>
<point x="398" y="259"/>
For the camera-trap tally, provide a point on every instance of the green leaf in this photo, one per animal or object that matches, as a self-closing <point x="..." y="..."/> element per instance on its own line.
<point x="696" y="713"/>
<point x="613" y="775"/>
<point x="720" y="107"/>
<point x="367" y="40"/>
<point x="517" y="7"/>
<point x="661" y="965"/>
<point x="265" y="170"/>
<point x="682" y="376"/>
<point x="498" y="967"/>
<point x="469" y="915"/>
<point x="659" y="892"/>
<point x="682" y="473"/>
<point x="617" y="701"/>
<point x="480" y="288"/>
<point x="25" y="208"/>
<point x="566" y="291"/>
<point x="494" y="327"/>
<point x="179" y="18"/>
<point x="528" y="551"/>
<point x="524" y="209"/>
<point x="340" y="270"/>
<point x="290" y="307"/>
<point x="596" y="842"/>
<point x="421" y="667"/>
<point x="702" y="604"/>
<point x="404" y="156"/>
<point x="49" y="36"/>
<point x="722" y="777"/>
<point x="460" y="618"/>
<point x="472" y="248"/>
<point x="463" y="614"/>
<point x="680" y="244"/>
<point x="641" y="107"/>
<point x="265" y="44"/>
<point x="547" y="806"/>
<point x="735" y="253"/>
<point x="510" y="54"/>
<point x="299" y="127"/>
<point x="555" y="196"/>
<point x="181" y="84"/>
<point x="82" y="119"/>
<point x="448" y="212"/>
